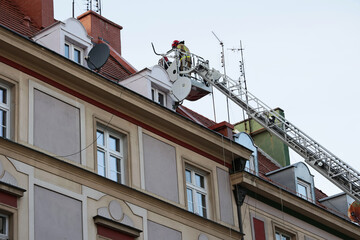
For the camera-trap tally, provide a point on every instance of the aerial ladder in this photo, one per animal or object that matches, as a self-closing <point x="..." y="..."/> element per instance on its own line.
<point x="200" y="74"/>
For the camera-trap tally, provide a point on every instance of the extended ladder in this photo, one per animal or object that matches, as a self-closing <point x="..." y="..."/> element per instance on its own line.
<point x="321" y="159"/>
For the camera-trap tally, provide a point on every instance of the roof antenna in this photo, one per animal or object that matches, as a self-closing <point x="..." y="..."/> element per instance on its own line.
<point x="98" y="6"/>
<point x="73" y="8"/>
<point x="223" y="65"/>
<point x="88" y="5"/>
<point x="242" y="78"/>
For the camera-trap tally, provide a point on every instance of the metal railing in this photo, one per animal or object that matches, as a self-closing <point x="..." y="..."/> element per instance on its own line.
<point x="317" y="156"/>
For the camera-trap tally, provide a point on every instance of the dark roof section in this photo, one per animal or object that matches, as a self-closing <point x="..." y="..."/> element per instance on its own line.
<point x="12" y="17"/>
<point x="194" y="116"/>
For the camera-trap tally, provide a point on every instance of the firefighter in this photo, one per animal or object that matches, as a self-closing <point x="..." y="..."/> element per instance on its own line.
<point x="185" y="57"/>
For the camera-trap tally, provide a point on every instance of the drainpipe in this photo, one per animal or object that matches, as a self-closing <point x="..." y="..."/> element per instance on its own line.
<point x="239" y="192"/>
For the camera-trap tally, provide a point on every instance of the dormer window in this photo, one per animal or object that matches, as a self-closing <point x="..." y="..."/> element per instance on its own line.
<point x="73" y="52"/>
<point x="303" y="189"/>
<point x="158" y="96"/>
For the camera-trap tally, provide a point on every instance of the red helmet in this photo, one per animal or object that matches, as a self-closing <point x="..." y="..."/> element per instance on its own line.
<point x="175" y="43"/>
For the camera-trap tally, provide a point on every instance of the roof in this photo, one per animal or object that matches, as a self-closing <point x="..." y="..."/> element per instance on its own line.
<point x="12" y="17"/>
<point x="194" y="116"/>
<point x="113" y="70"/>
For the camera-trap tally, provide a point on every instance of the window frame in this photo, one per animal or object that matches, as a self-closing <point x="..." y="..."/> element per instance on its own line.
<point x="72" y="48"/>
<point x="107" y="132"/>
<point x="6" y="107"/>
<point x="281" y="235"/>
<point x="155" y="95"/>
<point x="6" y="235"/>
<point x="284" y="230"/>
<point x="196" y="189"/>
<point x="307" y="187"/>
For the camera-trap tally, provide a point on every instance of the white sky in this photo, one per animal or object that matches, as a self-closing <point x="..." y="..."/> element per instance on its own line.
<point x="300" y="55"/>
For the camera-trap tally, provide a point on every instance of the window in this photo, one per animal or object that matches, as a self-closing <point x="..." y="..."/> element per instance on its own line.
<point x="73" y="52"/>
<point x="196" y="192"/>
<point x="4" y="111"/>
<point x="158" y="96"/>
<point x="282" y="236"/>
<point x="284" y="233"/>
<point x="110" y="155"/>
<point x="249" y="166"/>
<point x="4" y="227"/>
<point x="303" y="189"/>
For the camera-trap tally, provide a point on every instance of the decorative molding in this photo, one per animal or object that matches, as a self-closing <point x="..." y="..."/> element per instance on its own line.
<point x="11" y="189"/>
<point x="108" y="223"/>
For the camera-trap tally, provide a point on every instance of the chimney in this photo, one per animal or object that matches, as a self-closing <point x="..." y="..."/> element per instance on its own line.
<point x="101" y="28"/>
<point x="41" y="12"/>
<point x="225" y="128"/>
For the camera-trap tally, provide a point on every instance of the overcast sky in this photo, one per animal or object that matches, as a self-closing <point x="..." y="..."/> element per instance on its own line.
<point x="300" y="55"/>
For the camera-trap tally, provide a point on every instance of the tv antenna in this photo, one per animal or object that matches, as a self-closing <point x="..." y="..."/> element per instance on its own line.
<point x="97" y="7"/>
<point x="223" y="65"/>
<point x="242" y="78"/>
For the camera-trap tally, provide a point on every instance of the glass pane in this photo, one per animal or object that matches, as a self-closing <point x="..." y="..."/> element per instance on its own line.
<point x="277" y="236"/>
<point x="199" y="181"/>
<point x="3" y="98"/>
<point x="302" y="191"/>
<point x="100" y="138"/>
<point x="67" y="51"/>
<point x="2" y="225"/>
<point x="77" y="55"/>
<point x="2" y="123"/>
<point x="152" y="94"/>
<point x="115" y="169"/>
<point x="161" y="99"/>
<point x="201" y="204"/>
<point x="190" y="200"/>
<point x="114" y="144"/>
<point x="101" y="163"/>
<point x="188" y="176"/>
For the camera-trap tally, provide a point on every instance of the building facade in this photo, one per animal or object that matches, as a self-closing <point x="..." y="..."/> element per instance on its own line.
<point x="87" y="155"/>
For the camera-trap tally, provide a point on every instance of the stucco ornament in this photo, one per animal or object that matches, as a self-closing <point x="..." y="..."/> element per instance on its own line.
<point x="115" y="212"/>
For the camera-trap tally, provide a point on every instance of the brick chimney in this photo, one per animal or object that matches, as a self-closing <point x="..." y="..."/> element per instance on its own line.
<point x="224" y="128"/>
<point x="41" y="12"/>
<point x="99" y="27"/>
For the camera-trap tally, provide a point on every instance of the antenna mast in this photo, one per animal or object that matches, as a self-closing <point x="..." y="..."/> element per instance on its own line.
<point x="242" y="78"/>
<point x="223" y="65"/>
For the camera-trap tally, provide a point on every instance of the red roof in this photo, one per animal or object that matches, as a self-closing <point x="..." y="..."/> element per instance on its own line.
<point x="194" y="116"/>
<point x="112" y="69"/>
<point x="12" y="17"/>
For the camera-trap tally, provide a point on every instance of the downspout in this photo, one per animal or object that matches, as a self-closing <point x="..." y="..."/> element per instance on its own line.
<point x="239" y="192"/>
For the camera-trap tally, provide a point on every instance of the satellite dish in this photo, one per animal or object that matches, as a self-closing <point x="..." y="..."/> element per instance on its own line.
<point x="98" y="56"/>
<point x="354" y="212"/>
<point x="180" y="89"/>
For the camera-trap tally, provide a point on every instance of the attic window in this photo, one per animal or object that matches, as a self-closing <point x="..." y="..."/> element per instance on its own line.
<point x="303" y="189"/>
<point x="158" y="96"/>
<point x="73" y="52"/>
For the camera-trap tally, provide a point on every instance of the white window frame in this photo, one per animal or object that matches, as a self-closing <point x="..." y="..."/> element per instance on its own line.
<point x="72" y="48"/>
<point x="307" y="187"/>
<point x="281" y="234"/>
<point x="6" y="235"/>
<point x="155" y="95"/>
<point x="250" y="165"/>
<point x="6" y="108"/>
<point x="196" y="189"/>
<point x="108" y="152"/>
